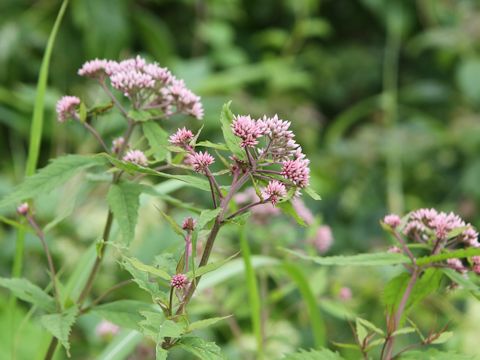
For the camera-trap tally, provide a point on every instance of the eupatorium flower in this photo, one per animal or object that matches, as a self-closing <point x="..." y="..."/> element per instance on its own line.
<point x="67" y="107"/>
<point x="95" y="68"/>
<point x="106" y="329"/>
<point x="22" y="209"/>
<point x="274" y="191"/>
<point x="323" y="239"/>
<point x="392" y="220"/>
<point x="181" y="138"/>
<point x="247" y="129"/>
<point x="189" y="224"/>
<point x="282" y="144"/>
<point x="136" y="157"/>
<point x="297" y="171"/>
<point x="117" y="144"/>
<point x="200" y="161"/>
<point x="179" y="281"/>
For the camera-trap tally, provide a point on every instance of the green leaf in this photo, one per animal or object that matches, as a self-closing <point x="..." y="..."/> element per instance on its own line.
<point x="142" y="278"/>
<point x="367" y="324"/>
<point x="60" y="325"/>
<point x="434" y="354"/>
<point x="26" y="291"/>
<point x="443" y="338"/>
<point x="139" y="115"/>
<point x="157" y="139"/>
<point x="122" y="345"/>
<point x="405" y="330"/>
<point x="200" y="348"/>
<point x="175" y="227"/>
<point x="360" y="331"/>
<point x="202" y="324"/>
<point x="124" y="313"/>
<point x="50" y="177"/>
<point x="314" y="314"/>
<point x="310" y="192"/>
<point x="320" y="354"/>
<point x="123" y="200"/>
<point x="137" y="264"/>
<point x="394" y="290"/>
<point x="375" y="259"/>
<point x="233" y="142"/>
<point x="156" y="327"/>
<point x="288" y="209"/>
<point x="210" y="267"/>
<point x="462" y="253"/>
<point x="205" y="217"/>
<point x="337" y="309"/>
<point x="465" y="282"/>
<point x="79" y="277"/>
<point x="160" y="353"/>
<point x="209" y="144"/>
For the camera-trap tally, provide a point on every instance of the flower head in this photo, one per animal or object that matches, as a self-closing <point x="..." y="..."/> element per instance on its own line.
<point x="106" y="329"/>
<point x="136" y="157"/>
<point x="282" y="144"/>
<point x="95" y="68"/>
<point x="181" y="138"/>
<point x="117" y="144"/>
<point x="297" y="171"/>
<point x="274" y="191"/>
<point x="179" y="281"/>
<point x="392" y="220"/>
<point x="67" y="108"/>
<point x="23" y="209"/>
<point x="457" y="265"/>
<point x="323" y="239"/>
<point x="247" y="129"/>
<point x="200" y="161"/>
<point x="345" y="293"/>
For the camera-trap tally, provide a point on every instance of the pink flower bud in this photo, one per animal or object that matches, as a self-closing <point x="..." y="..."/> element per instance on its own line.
<point x="274" y="191"/>
<point x="106" y="329"/>
<point x="200" y="161"/>
<point x="323" y="239"/>
<point x="189" y="224"/>
<point x="67" y="108"/>
<point x="392" y="220"/>
<point x="179" y="281"/>
<point x="22" y="209"/>
<point x="394" y="250"/>
<point x="136" y="157"/>
<point x="345" y="293"/>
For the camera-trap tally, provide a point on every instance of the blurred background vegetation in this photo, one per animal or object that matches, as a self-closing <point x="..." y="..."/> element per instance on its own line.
<point x="383" y="96"/>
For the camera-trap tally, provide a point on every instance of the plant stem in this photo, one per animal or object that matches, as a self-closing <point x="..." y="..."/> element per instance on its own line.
<point x="113" y="98"/>
<point x="247" y="207"/>
<point x="97" y="136"/>
<point x="398" y="315"/>
<point x="53" y="273"/>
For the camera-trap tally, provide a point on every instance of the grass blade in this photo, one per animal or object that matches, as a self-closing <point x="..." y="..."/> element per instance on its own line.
<point x="253" y="294"/>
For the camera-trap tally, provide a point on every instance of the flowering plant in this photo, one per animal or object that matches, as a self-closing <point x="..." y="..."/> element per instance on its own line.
<point x="261" y="153"/>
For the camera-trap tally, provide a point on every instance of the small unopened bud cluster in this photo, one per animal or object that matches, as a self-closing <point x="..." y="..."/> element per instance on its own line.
<point x="179" y="281"/>
<point x="136" y="157"/>
<point x="189" y="224"/>
<point x="23" y="209"/>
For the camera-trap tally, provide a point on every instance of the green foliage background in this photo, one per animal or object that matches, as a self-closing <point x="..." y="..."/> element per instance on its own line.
<point x="383" y="97"/>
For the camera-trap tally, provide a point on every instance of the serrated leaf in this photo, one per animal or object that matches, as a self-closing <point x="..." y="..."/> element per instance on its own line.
<point x="375" y="259"/>
<point x="360" y="331"/>
<point x="201" y="324"/>
<point x="434" y="354"/>
<point x="200" y="348"/>
<point x="337" y="309"/>
<point x="209" y="144"/>
<point x="465" y="282"/>
<point x="320" y="354"/>
<point x="124" y="313"/>
<point x="287" y="208"/>
<point x="462" y="253"/>
<point x="310" y="192"/>
<point x="123" y="200"/>
<point x="60" y="325"/>
<point x="233" y="142"/>
<point x="210" y="267"/>
<point x="156" y="327"/>
<point x="137" y="264"/>
<point x="346" y="345"/>
<point x="142" y="279"/>
<point x="29" y="292"/>
<point x="157" y="139"/>
<point x="50" y="177"/>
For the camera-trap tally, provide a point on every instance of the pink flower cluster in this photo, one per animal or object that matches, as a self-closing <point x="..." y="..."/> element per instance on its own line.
<point x="274" y="191"/>
<point x="67" y="108"/>
<point x="136" y="157"/>
<point x="323" y="239"/>
<point x="280" y="145"/>
<point x="181" y="138"/>
<point x="179" y="281"/>
<point x="200" y="161"/>
<point x="147" y="84"/>
<point x="424" y="223"/>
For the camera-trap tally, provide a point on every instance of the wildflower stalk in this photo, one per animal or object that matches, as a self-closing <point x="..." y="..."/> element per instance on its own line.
<point x="51" y="266"/>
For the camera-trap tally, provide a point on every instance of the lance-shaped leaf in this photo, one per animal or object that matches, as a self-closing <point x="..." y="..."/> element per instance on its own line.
<point x="157" y="139"/>
<point x="210" y="267"/>
<point x="200" y="348"/>
<point x="137" y="264"/>
<point x="233" y="142"/>
<point x="26" y="291"/>
<point x="462" y="253"/>
<point x="123" y="200"/>
<point x="60" y="325"/>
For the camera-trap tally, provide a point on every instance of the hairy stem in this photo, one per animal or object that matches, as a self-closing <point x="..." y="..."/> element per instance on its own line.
<point x="113" y="98"/>
<point x="97" y="136"/>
